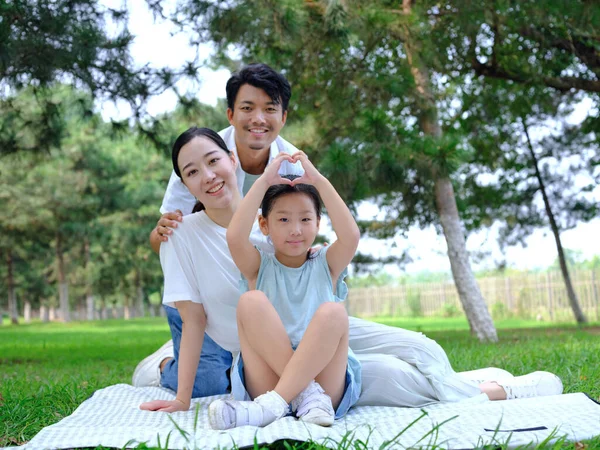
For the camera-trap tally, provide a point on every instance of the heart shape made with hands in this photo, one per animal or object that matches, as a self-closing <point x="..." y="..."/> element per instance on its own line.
<point x="299" y="165"/>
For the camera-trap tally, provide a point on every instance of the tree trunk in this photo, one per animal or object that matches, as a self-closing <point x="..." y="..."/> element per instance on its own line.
<point x="139" y="298"/>
<point x="473" y="302"/>
<point x="44" y="313"/>
<point x="27" y="311"/>
<point x="63" y="287"/>
<point x="12" y="293"/>
<point x="470" y="295"/>
<point x="89" y="296"/>
<point x="126" y="311"/>
<point x="577" y="312"/>
<point x="103" y="310"/>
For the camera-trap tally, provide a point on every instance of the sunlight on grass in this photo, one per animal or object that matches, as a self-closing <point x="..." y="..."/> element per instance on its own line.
<point x="460" y="323"/>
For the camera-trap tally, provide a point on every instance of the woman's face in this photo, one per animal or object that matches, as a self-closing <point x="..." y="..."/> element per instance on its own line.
<point x="208" y="172"/>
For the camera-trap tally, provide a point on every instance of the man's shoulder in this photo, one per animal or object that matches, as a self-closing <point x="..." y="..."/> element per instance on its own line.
<point x="285" y="146"/>
<point x="225" y="133"/>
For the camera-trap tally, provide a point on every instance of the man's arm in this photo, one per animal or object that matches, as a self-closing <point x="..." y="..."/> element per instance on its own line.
<point x="176" y="200"/>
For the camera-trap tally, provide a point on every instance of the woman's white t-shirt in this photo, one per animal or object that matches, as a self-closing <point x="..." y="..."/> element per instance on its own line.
<point x="197" y="266"/>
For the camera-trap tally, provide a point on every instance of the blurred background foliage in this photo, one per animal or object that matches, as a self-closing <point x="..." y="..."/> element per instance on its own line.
<point x="392" y="100"/>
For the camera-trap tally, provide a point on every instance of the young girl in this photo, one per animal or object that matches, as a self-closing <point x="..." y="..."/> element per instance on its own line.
<point x="293" y="331"/>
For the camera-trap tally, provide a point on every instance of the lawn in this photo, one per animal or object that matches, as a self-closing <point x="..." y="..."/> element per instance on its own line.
<point x="47" y="370"/>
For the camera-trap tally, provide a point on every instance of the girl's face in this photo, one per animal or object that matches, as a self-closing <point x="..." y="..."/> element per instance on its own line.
<point x="292" y="225"/>
<point x="208" y="172"/>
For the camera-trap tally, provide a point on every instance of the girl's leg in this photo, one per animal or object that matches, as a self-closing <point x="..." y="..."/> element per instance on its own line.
<point x="264" y="342"/>
<point x="266" y="352"/>
<point x="266" y="349"/>
<point x="321" y="355"/>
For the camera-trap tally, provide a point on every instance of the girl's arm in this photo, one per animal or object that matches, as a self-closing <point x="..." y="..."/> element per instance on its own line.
<point x="244" y="254"/>
<point x="341" y="252"/>
<point x="192" y="338"/>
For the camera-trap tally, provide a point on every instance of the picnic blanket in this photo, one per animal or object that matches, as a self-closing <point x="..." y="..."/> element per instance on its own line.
<point x="112" y="418"/>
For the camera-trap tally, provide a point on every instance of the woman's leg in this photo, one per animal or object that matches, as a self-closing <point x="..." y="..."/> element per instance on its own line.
<point x="432" y="368"/>
<point x="424" y="354"/>
<point x="389" y="381"/>
<point x="161" y="367"/>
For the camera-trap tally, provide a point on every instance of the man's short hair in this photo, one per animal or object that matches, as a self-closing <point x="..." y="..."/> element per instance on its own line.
<point x="262" y="77"/>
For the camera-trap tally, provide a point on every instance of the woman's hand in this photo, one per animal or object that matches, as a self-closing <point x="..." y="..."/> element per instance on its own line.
<point x="311" y="174"/>
<point x="165" y="406"/>
<point x="271" y="174"/>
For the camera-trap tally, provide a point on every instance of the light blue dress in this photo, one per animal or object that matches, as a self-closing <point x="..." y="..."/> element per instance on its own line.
<point x="296" y="294"/>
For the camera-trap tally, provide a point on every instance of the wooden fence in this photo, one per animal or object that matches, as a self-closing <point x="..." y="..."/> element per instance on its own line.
<point x="540" y="296"/>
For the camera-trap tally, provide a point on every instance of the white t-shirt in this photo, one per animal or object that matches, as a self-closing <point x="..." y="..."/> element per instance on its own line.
<point x="177" y="195"/>
<point x="197" y="266"/>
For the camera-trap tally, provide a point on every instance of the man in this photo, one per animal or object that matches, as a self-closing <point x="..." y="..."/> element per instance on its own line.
<point x="399" y="367"/>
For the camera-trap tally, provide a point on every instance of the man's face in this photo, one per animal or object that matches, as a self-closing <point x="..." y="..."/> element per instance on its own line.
<point x="256" y="118"/>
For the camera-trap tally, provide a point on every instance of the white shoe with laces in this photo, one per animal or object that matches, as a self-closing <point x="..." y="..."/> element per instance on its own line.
<point x="480" y="376"/>
<point x="314" y="406"/>
<point x="534" y="384"/>
<point x="265" y="409"/>
<point x="147" y="372"/>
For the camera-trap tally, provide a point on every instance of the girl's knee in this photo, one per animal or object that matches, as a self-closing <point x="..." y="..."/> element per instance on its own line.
<point x="332" y="313"/>
<point x="252" y="301"/>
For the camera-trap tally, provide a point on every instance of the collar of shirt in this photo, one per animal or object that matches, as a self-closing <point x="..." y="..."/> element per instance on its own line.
<point x="228" y="135"/>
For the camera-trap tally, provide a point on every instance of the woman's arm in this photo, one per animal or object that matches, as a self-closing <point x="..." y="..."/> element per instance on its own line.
<point x="244" y="254"/>
<point x="192" y="338"/>
<point x="341" y="252"/>
<point x="193" y="317"/>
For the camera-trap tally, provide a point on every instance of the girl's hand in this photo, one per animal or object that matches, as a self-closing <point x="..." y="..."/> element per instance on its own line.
<point x="311" y="174"/>
<point x="165" y="406"/>
<point x="271" y="174"/>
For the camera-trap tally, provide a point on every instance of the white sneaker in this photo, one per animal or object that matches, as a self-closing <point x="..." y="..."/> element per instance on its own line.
<point x="265" y="409"/>
<point x="487" y="374"/>
<point x="147" y="372"/>
<point x="535" y="384"/>
<point x="313" y="405"/>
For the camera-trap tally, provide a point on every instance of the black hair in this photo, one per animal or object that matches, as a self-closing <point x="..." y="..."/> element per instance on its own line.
<point x="277" y="190"/>
<point x="262" y="77"/>
<point x="185" y="138"/>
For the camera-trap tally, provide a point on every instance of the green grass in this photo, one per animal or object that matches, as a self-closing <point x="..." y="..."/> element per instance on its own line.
<point x="47" y="370"/>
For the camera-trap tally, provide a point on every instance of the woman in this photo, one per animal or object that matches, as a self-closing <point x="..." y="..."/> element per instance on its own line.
<point x="202" y="282"/>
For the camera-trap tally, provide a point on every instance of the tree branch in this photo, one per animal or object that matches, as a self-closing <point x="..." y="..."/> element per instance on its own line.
<point x="588" y="54"/>
<point x="562" y="84"/>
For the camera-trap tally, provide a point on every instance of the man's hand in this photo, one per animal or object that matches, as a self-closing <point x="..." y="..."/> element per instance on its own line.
<point x="165" y="406"/>
<point x="166" y="224"/>
<point x="164" y="228"/>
